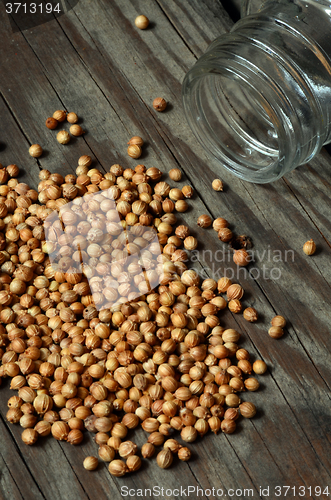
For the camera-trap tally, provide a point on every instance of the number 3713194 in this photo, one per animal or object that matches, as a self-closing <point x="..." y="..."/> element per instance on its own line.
<point x="32" y="8"/>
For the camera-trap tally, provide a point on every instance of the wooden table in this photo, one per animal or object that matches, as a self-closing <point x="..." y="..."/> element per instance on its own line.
<point x="95" y="62"/>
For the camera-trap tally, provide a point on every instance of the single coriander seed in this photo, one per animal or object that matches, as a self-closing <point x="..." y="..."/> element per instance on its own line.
<point x="184" y="454"/>
<point x="276" y="332"/>
<point x="259" y="367"/>
<point x="250" y="314"/>
<point x="51" y="123"/>
<point x="217" y="185"/>
<point x="278" y="321"/>
<point x="72" y="117"/>
<point x="60" y="115"/>
<point x="35" y="150"/>
<point x="309" y="247"/>
<point x="164" y="459"/>
<point x="90" y="463"/>
<point x="141" y="22"/>
<point x="188" y="191"/>
<point x="63" y="137"/>
<point x="175" y="174"/>
<point x="134" y="151"/>
<point x="247" y="409"/>
<point x="204" y="221"/>
<point x="117" y="468"/>
<point x="159" y="104"/>
<point x="241" y="257"/>
<point x="76" y="130"/>
<point x="136" y="140"/>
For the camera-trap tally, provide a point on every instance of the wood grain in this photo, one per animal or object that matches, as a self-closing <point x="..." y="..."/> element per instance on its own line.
<point x="108" y="72"/>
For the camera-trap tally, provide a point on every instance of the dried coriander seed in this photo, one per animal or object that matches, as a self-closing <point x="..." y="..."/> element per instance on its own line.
<point x="141" y="22"/>
<point x="309" y="247"/>
<point x="63" y="137"/>
<point x="217" y="185"/>
<point x="35" y="150"/>
<point x="90" y="463"/>
<point x="159" y="104"/>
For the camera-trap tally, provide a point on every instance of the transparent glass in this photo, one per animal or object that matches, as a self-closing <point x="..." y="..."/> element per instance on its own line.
<point x="259" y="99"/>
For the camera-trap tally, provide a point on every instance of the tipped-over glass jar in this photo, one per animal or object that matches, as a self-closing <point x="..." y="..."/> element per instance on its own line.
<point x="259" y="99"/>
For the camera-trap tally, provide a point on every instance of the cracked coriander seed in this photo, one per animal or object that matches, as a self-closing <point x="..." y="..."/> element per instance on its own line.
<point x="309" y="247"/>
<point x="159" y="104"/>
<point x="35" y="150"/>
<point x="141" y="22"/>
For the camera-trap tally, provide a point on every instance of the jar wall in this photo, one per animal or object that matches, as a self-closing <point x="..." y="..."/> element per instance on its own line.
<point x="260" y="98"/>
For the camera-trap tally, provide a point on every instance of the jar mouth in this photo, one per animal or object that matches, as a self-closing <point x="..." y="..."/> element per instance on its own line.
<point x="238" y="124"/>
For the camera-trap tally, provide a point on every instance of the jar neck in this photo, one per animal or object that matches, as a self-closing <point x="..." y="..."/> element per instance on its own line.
<point x="260" y="98"/>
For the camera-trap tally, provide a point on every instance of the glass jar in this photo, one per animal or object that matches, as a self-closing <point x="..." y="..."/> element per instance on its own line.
<point x="259" y="99"/>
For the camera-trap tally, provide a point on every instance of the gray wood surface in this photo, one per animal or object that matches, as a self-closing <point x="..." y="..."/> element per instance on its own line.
<point x="95" y="62"/>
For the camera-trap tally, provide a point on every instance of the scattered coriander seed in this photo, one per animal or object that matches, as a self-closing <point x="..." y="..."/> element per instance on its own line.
<point x="134" y="151"/>
<point x="175" y="174"/>
<point x="235" y="306"/>
<point x="190" y="243"/>
<point x="188" y="191"/>
<point x="147" y="450"/>
<point x="51" y="123"/>
<point x="164" y="459"/>
<point x="76" y="130"/>
<point x="85" y="161"/>
<point x="35" y="150"/>
<point x="63" y="137"/>
<point x="276" y="332"/>
<point x="259" y="367"/>
<point x="141" y="22"/>
<point x="247" y="410"/>
<point x="228" y="426"/>
<point x="172" y="445"/>
<point x="60" y="115"/>
<point x="250" y="314"/>
<point x="309" y="247"/>
<point x="204" y="221"/>
<point x="241" y="257"/>
<point x="217" y="185"/>
<point x="90" y="463"/>
<point x="12" y="170"/>
<point x="159" y="104"/>
<point x="72" y="117"/>
<point x="184" y="454"/>
<point x="225" y="235"/>
<point x="29" y="436"/>
<point x="117" y="468"/>
<point x="136" y="140"/>
<point x="278" y="321"/>
<point x="133" y="463"/>
<point x="106" y="453"/>
<point x="181" y="206"/>
<point x="252" y="384"/>
<point x="220" y="223"/>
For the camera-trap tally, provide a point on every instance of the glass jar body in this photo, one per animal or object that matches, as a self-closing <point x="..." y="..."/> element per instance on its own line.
<point x="259" y="99"/>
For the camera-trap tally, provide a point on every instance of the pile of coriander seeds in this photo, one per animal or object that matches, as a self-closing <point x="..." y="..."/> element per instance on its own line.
<point x="160" y="361"/>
